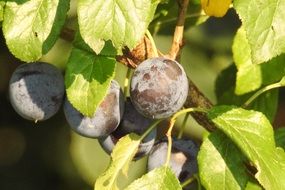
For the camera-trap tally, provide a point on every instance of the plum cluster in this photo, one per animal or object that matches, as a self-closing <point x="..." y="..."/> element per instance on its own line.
<point x="158" y="89"/>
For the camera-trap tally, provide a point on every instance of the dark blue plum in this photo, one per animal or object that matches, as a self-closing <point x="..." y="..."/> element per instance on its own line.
<point x="132" y="122"/>
<point x="159" y="87"/>
<point x="36" y="90"/>
<point x="183" y="160"/>
<point x="106" y="118"/>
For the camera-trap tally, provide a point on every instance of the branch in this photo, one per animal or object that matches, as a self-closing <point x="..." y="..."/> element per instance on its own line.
<point x="196" y="98"/>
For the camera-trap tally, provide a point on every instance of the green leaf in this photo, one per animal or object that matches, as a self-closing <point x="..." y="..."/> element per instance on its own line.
<point x="279" y="135"/>
<point x="225" y="92"/>
<point x="252" y="76"/>
<point x="253" y="134"/>
<point x="122" y="156"/>
<point x="265" y="28"/>
<point x="221" y="164"/>
<point x="79" y="43"/>
<point x="252" y="185"/>
<point x="123" y="22"/>
<point x="2" y="4"/>
<point x="31" y="28"/>
<point x="87" y="79"/>
<point x="157" y="179"/>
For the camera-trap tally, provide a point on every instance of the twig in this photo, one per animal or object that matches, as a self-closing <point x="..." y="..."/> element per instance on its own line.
<point x="152" y="43"/>
<point x="171" y="125"/>
<point x="177" y="42"/>
<point x="188" y="181"/>
<point x="67" y="34"/>
<point x="181" y="130"/>
<point x="279" y="84"/>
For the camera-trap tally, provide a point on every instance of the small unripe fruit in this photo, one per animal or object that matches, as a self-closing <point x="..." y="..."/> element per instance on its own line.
<point x="36" y="90"/>
<point x="106" y="118"/>
<point x="159" y="87"/>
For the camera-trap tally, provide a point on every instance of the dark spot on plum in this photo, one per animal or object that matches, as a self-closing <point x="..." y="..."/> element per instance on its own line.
<point x="153" y="68"/>
<point x="148" y="96"/>
<point x="110" y="123"/>
<point x="105" y="104"/>
<point x="146" y="76"/>
<point x="172" y="70"/>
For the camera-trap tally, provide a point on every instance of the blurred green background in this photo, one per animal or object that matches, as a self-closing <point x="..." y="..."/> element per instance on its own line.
<point x="48" y="155"/>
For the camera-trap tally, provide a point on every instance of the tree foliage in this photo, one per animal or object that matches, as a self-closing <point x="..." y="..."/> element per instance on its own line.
<point x="107" y="29"/>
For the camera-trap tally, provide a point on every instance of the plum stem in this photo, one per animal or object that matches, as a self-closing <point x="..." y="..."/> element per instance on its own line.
<point x="183" y="126"/>
<point x="177" y="41"/>
<point x="188" y="181"/>
<point x="67" y="34"/>
<point x="171" y="125"/>
<point x="279" y="84"/>
<point x="151" y="127"/>
<point x="196" y="176"/>
<point x="149" y="36"/>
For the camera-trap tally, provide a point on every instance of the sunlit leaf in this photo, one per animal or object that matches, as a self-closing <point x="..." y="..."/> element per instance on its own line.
<point x="157" y="179"/>
<point x="87" y="79"/>
<point x="264" y="26"/>
<point x="253" y="134"/>
<point x="122" y="156"/>
<point x="252" y="76"/>
<point x="124" y="22"/>
<point x="32" y="27"/>
<point x="221" y="164"/>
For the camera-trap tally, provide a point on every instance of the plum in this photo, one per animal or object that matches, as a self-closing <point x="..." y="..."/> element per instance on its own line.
<point x="159" y="87"/>
<point x="183" y="160"/>
<point x="132" y="122"/>
<point x="36" y="90"/>
<point x="105" y="119"/>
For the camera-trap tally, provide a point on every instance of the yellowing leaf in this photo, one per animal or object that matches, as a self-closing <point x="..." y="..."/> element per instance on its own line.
<point x="217" y="8"/>
<point x="157" y="179"/>
<point x="122" y="156"/>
